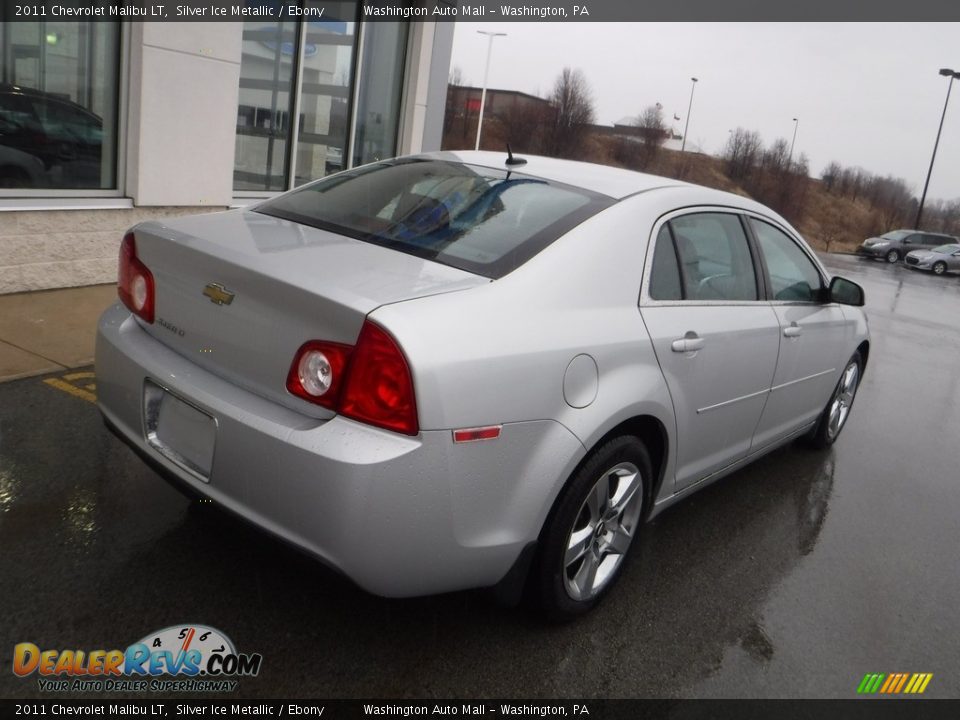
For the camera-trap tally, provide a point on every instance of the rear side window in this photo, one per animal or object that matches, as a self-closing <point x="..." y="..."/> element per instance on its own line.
<point x="483" y="220"/>
<point x="665" y="273"/>
<point x="713" y="257"/>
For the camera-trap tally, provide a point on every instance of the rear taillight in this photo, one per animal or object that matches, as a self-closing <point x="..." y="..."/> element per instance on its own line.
<point x="370" y="382"/>
<point x="134" y="281"/>
<point x="318" y="372"/>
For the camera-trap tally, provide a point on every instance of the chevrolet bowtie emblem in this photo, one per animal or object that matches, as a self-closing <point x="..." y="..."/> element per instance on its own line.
<point x="218" y="294"/>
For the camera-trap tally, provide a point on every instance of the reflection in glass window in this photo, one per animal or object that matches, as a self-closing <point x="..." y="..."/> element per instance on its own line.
<point x="301" y="104"/>
<point x="378" y="109"/>
<point x="58" y="105"/>
<point x="267" y="70"/>
<point x="326" y="90"/>
<point x="482" y="220"/>
<point x="665" y="273"/>
<point x="793" y="276"/>
<point x="714" y="257"/>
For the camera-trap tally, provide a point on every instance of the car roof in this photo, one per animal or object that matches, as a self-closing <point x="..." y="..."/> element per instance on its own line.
<point x="616" y="183"/>
<point x="8" y="89"/>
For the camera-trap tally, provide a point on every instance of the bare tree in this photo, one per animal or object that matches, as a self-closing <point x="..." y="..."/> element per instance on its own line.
<point x="524" y="125"/>
<point x="831" y="175"/>
<point x="653" y="133"/>
<point x="742" y="153"/>
<point x="456" y="77"/>
<point x="573" y="111"/>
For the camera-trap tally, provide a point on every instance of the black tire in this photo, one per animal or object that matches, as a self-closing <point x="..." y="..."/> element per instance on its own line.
<point x="893" y="256"/>
<point x="824" y="433"/>
<point x="607" y="543"/>
<point x="939" y="268"/>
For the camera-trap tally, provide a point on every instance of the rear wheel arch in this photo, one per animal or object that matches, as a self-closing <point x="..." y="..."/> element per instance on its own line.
<point x="653" y="434"/>
<point x="651" y="431"/>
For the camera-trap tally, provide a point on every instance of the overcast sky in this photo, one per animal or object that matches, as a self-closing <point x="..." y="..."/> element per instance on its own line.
<point x="866" y="94"/>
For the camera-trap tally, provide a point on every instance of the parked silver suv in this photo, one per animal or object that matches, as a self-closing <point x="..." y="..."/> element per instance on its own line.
<point x="894" y="246"/>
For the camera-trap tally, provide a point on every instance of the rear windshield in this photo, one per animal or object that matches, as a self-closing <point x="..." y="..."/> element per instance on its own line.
<point x="483" y="220"/>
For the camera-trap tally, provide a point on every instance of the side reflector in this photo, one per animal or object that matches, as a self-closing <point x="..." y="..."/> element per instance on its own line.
<point x="491" y="432"/>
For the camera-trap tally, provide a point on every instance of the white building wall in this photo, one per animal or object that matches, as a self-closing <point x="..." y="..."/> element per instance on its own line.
<point x="184" y="80"/>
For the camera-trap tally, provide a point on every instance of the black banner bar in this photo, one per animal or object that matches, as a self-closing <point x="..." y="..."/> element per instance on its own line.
<point x="854" y="709"/>
<point x="480" y="10"/>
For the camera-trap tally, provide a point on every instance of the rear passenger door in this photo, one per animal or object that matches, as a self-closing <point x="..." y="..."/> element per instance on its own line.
<point x="813" y="335"/>
<point x="715" y="338"/>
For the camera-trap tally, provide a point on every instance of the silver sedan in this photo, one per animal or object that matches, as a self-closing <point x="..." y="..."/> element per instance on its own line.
<point x="462" y="370"/>
<point x="939" y="260"/>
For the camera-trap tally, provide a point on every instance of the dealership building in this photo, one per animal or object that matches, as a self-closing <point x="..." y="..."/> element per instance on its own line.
<point x="105" y="124"/>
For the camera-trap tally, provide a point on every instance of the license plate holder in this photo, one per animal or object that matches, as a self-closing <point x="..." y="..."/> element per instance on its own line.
<point x="179" y="430"/>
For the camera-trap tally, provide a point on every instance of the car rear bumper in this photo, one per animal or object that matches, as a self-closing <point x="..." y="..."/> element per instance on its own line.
<point x="399" y="515"/>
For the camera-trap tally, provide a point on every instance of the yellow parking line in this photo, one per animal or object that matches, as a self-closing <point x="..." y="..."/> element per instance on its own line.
<point x="78" y="376"/>
<point x="72" y="389"/>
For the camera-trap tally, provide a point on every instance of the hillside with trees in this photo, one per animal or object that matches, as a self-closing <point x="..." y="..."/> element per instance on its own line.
<point x="834" y="213"/>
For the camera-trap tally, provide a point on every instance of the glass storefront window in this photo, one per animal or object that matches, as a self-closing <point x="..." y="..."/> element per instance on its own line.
<point x="267" y="69"/>
<point x="378" y="109"/>
<point x="58" y="105"/>
<point x="325" y="93"/>
<point x="289" y="133"/>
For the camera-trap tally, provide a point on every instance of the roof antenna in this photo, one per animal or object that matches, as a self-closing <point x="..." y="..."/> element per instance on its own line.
<point x="511" y="160"/>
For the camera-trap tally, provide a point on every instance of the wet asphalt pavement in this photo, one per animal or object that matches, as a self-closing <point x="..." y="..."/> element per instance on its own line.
<point x="791" y="578"/>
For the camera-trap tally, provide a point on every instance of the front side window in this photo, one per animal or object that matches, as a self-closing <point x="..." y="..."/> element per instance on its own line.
<point x="482" y="220"/>
<point x="713" y="257"/>
<point x="58" y="105"/>
<point x="793" y="276"/>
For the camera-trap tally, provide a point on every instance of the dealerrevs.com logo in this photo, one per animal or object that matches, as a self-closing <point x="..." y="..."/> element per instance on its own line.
<point x="184" y="658"/>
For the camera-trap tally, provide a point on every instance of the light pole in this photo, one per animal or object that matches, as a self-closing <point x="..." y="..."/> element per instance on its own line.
<point x="686" y="125"/>
<point x="486" y="72"/>
<point x="946" y="72"/>
<point x="796" y="124"/>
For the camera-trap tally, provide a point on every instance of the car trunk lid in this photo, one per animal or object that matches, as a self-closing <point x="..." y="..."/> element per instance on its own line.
<point x="239" y="292"/>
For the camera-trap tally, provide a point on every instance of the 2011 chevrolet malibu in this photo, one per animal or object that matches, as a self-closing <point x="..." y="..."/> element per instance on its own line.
<point x="462" y="370"/>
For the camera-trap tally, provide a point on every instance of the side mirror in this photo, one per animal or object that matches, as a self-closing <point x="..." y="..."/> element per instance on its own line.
<point x="845" y="292"/>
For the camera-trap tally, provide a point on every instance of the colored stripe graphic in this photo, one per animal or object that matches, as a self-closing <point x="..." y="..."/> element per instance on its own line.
<point x="894" y="683"/>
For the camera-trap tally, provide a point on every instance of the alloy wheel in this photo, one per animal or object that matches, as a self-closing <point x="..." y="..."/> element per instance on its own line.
<point x="893" y="256"/>
<point x="939" y="268"/>
<point x="843" y="400"/>
<point x="603" y="531"/>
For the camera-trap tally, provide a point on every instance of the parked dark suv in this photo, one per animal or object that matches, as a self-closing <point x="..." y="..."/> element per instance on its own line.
<point x="894" y="245"/>
<point x="46" y="141"/>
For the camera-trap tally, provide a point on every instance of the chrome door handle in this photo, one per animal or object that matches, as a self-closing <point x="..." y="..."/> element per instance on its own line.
<point x="690" y="343"/>
<point x="792" y="330"/>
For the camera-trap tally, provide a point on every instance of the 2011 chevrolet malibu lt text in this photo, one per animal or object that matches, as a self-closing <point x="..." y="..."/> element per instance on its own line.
<point x="460" y="370"/>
